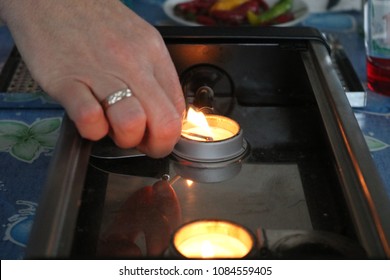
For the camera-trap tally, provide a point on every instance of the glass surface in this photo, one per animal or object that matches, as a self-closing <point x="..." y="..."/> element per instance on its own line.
<point x="286" y="183"/>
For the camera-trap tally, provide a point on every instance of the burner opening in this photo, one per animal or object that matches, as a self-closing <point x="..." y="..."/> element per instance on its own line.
<point x="204" y="98"/>
<point x="208" y="88"/>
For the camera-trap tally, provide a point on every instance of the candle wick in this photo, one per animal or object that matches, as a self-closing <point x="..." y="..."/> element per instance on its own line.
<point x="207" y="138"/>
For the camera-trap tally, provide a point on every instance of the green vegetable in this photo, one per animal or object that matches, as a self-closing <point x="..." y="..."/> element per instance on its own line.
<point x="275" y="11"/>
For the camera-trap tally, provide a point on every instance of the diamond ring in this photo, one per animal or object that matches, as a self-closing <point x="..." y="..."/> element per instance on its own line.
<point x="116" y="97"/>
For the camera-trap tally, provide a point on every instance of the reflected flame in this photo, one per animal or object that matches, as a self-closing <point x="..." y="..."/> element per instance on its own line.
<point x="189" y="182"/>
<point x="198" y="119"/>
<point x="207" y="249"/>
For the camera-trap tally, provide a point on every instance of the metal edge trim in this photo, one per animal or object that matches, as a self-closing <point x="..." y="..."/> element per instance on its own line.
<point x="367" y="203"/>
<point x="53" y="228"/>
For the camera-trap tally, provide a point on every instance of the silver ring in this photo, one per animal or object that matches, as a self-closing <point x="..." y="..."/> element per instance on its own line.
<point x="116" y="97"/>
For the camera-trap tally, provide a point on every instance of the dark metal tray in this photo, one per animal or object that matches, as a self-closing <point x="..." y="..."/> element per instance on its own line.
<point x="308" y="174"/>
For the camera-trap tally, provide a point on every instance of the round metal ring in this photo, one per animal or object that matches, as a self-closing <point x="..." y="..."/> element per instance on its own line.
<point x="116" y="97"/>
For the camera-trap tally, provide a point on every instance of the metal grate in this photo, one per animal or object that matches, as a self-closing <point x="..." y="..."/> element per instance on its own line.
<point x="21" y="80"/>
<point x="15" y="77"/>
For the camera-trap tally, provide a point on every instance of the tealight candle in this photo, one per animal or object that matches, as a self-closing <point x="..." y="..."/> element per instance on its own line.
<point x="213" y="239"/>
<point x="209" y="138"/>
<point x="202" y="127"/>
<point x="216" y="134"/>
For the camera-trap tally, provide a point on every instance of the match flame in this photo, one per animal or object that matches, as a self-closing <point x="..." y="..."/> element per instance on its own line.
<point x="198" y="119"/>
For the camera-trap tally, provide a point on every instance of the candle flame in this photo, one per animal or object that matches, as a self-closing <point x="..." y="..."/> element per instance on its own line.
<point x="207" y="249"/>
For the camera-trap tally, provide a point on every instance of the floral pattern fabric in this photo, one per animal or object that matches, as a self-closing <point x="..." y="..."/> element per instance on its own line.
<point x="29" y="128"/>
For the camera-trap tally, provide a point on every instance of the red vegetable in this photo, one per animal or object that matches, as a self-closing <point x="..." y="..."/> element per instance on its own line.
<point x="288" y="16"/>
<point x="200" y="11"/>
<point x="263" y="5"/>
<point x="195" y="7"/>
<point x="237" y="15"/>
<point x="205" y="20"/>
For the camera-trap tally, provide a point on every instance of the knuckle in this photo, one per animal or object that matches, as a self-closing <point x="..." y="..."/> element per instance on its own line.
<point x="129" y="132"/>
<point x="88" y="115"/>
<point x="90" y="122"/>
<point x="169" y="127"/>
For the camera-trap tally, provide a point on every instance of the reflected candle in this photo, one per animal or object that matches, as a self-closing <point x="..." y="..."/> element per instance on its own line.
<point x="213" y="239"/>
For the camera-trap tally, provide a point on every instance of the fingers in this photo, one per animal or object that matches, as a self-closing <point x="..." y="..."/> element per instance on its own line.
<point x="153" y="211"/>
<point x="145" y="65"/>
<point x="83" y="108"/>
<point x="111" y="49"/>
<point x="127" y="121"/>
<point x="169" y="81"/>
<point x="156" y="244"/>
<point x="163" y="125"/>
<point x="167" y="203"/>
<point x="156" y="85"/>
<point x="149" y="121"/>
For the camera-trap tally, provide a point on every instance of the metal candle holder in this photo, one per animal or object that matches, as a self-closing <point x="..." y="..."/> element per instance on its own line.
<point x="210" y="150"/>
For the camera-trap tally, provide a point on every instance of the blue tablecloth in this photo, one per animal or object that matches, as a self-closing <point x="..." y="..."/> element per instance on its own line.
<point x="24" y="161"/>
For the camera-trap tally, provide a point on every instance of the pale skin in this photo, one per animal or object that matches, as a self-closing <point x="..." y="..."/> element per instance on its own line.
<point x="81" y="51"/>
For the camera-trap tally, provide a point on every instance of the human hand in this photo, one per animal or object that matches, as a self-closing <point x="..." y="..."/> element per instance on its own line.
<point x="153" y="211"/>
<point x="80" y="52"/>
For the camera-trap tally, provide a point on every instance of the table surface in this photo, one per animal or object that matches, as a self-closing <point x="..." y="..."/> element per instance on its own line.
<point x="24" y="163"/>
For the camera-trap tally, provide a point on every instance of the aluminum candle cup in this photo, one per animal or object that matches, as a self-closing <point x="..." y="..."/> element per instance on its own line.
<point x="224" y="141"/>
<point x="213" y="239"/>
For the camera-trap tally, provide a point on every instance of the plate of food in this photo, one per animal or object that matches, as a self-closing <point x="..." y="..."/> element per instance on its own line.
<point x="236" y="12"/>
